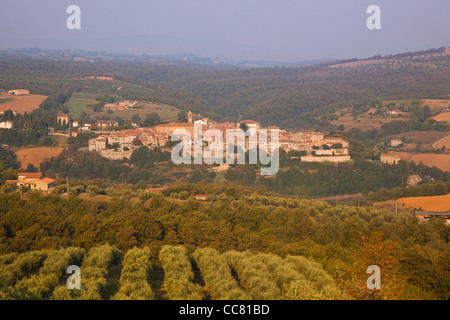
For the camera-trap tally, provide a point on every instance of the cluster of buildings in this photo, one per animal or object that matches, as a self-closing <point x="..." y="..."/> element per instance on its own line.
<point x="394" y="112"/>
<point x="119" y="144"/>
<point x="121" y="105"/>
<point x="64" y="120"/>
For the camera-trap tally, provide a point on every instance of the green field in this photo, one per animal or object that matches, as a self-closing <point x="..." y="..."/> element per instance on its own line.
<point x="77" y="106"/>
<point x="166" y="112"/>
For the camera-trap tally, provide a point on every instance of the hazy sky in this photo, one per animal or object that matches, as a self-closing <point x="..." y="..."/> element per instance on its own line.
<point x="282" y="30"/>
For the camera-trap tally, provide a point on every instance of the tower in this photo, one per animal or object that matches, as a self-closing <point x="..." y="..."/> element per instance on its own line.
<point x="190" y="116"/>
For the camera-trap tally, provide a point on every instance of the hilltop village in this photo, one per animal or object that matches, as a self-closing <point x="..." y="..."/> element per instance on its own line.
<point x="120" y="144"/>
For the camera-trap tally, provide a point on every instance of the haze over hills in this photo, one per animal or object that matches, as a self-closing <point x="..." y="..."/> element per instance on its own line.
<point x="181" y="59"/>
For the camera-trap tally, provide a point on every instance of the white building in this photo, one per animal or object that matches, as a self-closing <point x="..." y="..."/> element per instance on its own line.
<point x="6" y="124"/>
<point x="98" y="144"/>
<point x="251" y="124"/>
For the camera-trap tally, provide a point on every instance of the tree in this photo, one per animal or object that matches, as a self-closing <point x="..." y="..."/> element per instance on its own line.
<point x="152" y="119"/>
<point x="243" y="127"/>
<point x="137" y="142"/>
<point x="136" y="118"/>
<point x="372" y="251"/>
<point x="182" y="116"/>
<point x="31" y="168"/>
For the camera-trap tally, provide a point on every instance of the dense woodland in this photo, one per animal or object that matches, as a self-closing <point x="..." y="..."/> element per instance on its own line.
<point x="234" y="218"/>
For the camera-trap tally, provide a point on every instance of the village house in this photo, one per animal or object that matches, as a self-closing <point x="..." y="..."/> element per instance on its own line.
<point x="33" y="180"/>
<point x="63" y="119"/>
<point x="98" y="143"/>
<point x="86" y="127"/>
<point x="103" y="124"/>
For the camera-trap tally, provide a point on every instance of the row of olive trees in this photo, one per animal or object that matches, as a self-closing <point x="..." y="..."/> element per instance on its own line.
<point x="216" y="273"/>
<point x="300" y="278"/>
<point x="16" y="267"/>
<point x="254" y="275"/>
<point x="179" y="274"/>
<point x="41" y="285"/>
<point x="94" y="270"/>
<point x="134" y="284"/>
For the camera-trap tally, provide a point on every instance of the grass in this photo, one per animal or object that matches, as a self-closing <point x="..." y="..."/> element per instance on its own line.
<point x="165" y="112"/>
<point x="78" y="106"/>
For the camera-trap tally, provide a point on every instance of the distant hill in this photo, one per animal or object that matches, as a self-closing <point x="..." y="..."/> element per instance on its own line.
<point x="290" y="97"/>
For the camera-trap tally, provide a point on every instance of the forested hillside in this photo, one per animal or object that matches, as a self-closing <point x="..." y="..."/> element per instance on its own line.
<point x="289" y="97"/>
<point x="232" y="221"/>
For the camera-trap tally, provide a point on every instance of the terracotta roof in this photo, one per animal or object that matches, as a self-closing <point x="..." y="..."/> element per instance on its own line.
<point x="11" y="181"/>
<point x="47" y="180"/>
<point x="176" y="124"/>
<point x="250" y="121"/>
<point x="30" y="175"/>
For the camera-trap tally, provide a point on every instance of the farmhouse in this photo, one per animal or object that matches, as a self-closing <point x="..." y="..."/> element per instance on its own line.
<point x="33" y="180"/>
<point x="425" y="215"/>
<point x="201" y="197"/>
<point x="396" y="142"/>
<point x="390" y="158"/>
<point x="413" y="180"/>
<point x="18" y="92"/>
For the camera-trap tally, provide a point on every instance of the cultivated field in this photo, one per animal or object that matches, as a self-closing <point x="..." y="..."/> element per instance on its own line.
<point x="36" y="155"/>
<point x="441" y="161"/>
<point x="436" y="104"/>
<point x="20" y="104"/>
<point x="434" y="203"/>
<point x="443" y="142"/>
<point x="364" y="123"/>
<point x="445" y="116"/>
<point x="420" y="139"/>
